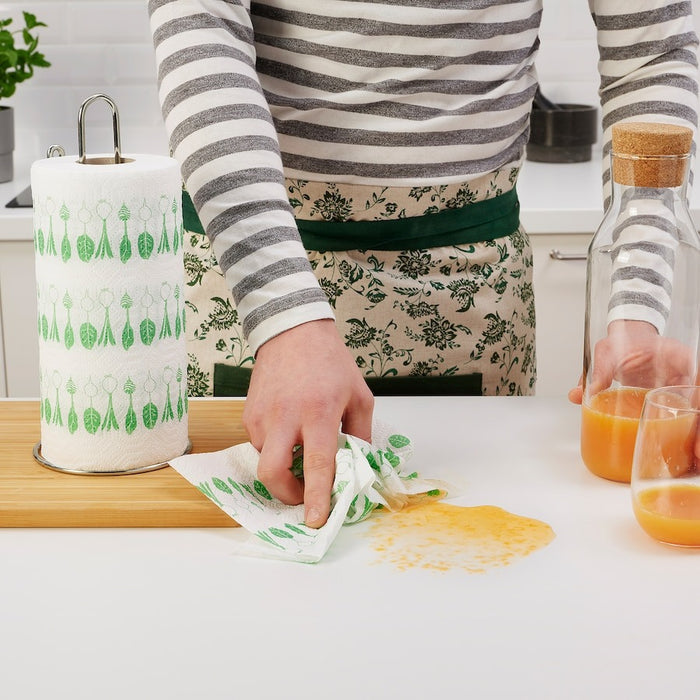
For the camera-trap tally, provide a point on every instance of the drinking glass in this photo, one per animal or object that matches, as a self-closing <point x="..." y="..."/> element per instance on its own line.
<point x="665" y="481"/>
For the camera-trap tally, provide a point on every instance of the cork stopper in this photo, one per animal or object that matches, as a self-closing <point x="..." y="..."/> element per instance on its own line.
<point x="649" y="154"/>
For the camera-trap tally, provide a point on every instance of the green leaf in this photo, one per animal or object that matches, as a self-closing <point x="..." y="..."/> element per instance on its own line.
<point x="296" y="529"/>
<point x="86" y="247"/>
<point x="39" y="234"/>
<point x="372" y="461"/>
<point x="392" y="458"/>
<point x="47" y="410"/>
<point x="147" y="330"/>
<point x="130" y="420"/>
<point x="127" y="336"/>
<point x="72" y="420"/>
<point x="91" y="420"/>
<point x="178" y="325"/>
<point x="208" y="492"/>
<point x="65" y="249"/>
<point x="235" y="485"/>
<point x="261" y="490"/>
<point x="68" y="337"/>
<point x="150" y="415"/>
<point x="125" y="249"/>
<point x="145" y="245"/>
<point x="398" y="441"/>
<point x="265" y="537"/>
<point x="281" y="533"/>
<point x="44" y="326"/>
<point x="221" y="485"/>
<point x="88" y="335"/>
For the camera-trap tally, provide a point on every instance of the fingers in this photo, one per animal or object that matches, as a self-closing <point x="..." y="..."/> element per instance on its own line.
<point x="357" y="420"/>
<point x="274" y="470"/>
<point x="576" y="394"/>
<point x="603" y="368"/>
<point x="320" y="447"/>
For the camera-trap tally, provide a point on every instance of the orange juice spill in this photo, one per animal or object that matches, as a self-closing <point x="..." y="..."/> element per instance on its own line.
<point x="670" y="514"/>
<point x="440" y="537"/>
<point x="609" y="425"/>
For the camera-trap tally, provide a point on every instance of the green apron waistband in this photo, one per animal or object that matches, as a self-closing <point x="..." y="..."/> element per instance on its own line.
<point x="234" y="381"/>
<point x="474" y="223"/>
<point x="481" y="221"/>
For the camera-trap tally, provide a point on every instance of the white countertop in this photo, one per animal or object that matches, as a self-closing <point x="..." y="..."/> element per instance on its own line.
<point x="601" y="612"/>
<point x="554" y="198"/>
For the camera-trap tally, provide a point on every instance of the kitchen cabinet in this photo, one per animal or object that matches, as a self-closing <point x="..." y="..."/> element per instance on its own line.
<point x="18" y="314"/>
<point x="559" y="280"/>
<point x="3" y="383"/>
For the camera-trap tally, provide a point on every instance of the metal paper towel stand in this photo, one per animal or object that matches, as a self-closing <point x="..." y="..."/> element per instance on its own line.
<point x="56" y="150"/>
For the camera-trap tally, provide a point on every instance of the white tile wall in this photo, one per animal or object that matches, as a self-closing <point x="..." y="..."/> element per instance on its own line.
<point x="105" y="46"/>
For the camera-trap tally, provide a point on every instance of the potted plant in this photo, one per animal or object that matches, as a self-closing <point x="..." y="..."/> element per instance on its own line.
<point x="17" y="64"/>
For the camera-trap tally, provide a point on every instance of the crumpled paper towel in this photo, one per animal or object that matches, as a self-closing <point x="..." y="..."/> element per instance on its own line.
<point x="367" y="476"/>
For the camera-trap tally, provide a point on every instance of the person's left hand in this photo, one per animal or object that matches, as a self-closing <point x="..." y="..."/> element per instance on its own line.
<point x="634" y="354"/>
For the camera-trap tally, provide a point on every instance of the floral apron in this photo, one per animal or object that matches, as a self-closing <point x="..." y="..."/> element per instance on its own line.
<point x="434" y="295"/>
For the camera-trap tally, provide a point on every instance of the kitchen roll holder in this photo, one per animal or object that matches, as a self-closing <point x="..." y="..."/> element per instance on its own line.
<point x="56" y="150"/>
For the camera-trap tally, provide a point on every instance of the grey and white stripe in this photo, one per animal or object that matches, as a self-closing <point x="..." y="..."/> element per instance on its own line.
<point x="390" y="92"/>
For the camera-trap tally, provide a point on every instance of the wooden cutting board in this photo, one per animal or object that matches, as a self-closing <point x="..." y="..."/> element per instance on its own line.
<point x="35" y="496"/>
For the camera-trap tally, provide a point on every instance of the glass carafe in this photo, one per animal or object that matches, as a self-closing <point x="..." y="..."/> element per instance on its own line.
<point x="642" y="292"/>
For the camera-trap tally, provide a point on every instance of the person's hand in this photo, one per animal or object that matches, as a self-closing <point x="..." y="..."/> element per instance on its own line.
<point x="634" y="354"/>
<point x="305" y="385"/>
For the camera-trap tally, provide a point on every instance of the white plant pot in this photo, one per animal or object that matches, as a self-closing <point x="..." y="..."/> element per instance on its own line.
<point x="7" y="143"/>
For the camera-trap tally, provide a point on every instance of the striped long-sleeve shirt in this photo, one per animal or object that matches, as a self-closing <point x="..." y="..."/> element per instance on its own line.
<point x="391" y="92"/>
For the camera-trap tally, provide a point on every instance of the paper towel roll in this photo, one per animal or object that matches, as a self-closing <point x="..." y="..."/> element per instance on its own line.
<point x="110" y="276"/>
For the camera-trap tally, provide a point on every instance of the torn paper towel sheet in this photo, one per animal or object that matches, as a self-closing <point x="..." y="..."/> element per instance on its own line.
<point x="367" y="476"/>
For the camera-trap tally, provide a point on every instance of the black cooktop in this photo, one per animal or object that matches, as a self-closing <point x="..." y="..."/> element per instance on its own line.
<point x="23" y="199"/>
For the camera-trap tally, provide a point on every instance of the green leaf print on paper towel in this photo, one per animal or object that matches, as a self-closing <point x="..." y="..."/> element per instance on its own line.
<point x="66" y="250"/>
<point x="85" y="245"/>
<point x="91" y="418"/>
<point x="165" y="328"/>
<point x="106" y="335"/>
<point x="180" y="400"/>
<point x="104" y="249"/>
<point x="261" y="490"/>
<point x="145" y="239"/>
<point x="72" y="413"/>
<point x="53" y="330"/>
<point x="177" y="241"/>
<point x="398" y="441"/>
<point x="221" y="485"/>
<point x="88" y="332"/>
<point x="168" y="414"/>
<point x="178" y="320"/>
<point x="57" y="418"/>
<point x="209" y="493"/>
<point x="124" y="244"/>
<point x="109" y="384"/>
<point x="130" y="420"/>
<point x="51" y="241"/>
<point x="127" y="332"/>
<point x="150" y="410"/>
<point x="147" y="328"/>
<point x="39" y="241"/>
<point x="163" y="244"/>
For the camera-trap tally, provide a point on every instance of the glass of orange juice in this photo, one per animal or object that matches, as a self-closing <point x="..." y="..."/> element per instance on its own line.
<point x="609" y="422"/>
<point x="665" y="480"/>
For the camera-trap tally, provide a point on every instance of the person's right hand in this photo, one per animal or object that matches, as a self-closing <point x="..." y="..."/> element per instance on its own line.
<point x="305" y="386"/>
<point x="634" y="354"/>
